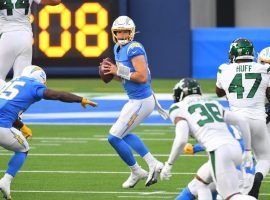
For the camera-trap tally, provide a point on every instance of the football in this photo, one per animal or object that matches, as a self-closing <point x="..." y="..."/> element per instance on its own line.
<point x="105" y="78"/>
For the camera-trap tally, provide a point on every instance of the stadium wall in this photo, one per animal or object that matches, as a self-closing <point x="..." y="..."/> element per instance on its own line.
<point x="165" y="34"/>
<point x="210" y="47"/>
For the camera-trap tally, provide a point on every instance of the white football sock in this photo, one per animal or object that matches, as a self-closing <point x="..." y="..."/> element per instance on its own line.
<point x="150" y="160"/>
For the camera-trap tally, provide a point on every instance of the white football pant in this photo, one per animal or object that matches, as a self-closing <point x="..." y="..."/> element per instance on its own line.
<point x="132" y="114"/>
<point x="15" y="51"/>
<point x="260" y="143"/>
<point x="223" y="169"/>
<point x="13" y="140"/>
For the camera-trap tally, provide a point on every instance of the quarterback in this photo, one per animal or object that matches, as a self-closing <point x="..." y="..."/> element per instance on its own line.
<point x="16" y="35"/>
<point x="15" y="98"/>
<point x="245" y="84"/>
<point x="132" y="70"/>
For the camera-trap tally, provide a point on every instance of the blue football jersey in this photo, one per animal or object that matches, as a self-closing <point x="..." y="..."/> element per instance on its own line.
<point x="123" y="56"/>
<point x="16" y="97"/>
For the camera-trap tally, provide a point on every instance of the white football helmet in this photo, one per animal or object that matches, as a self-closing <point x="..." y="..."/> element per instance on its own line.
<point x="33" y="71"/>
<point x="264" y="56"/>
<point x="123" y="23"/>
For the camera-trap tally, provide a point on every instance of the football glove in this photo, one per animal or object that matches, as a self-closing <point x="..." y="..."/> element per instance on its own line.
<point x="188" y="149"/>
<point x="165" y="173"/>
<point x="247" y="160"/>
<point x="88" y="102"/>
<point x="27" y="132"/>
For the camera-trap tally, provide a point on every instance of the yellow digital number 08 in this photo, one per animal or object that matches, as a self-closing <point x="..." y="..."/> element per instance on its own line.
<point x="84" y="30"/>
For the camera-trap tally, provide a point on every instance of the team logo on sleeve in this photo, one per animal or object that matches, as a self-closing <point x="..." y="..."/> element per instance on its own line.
<point x="133" y="45"/>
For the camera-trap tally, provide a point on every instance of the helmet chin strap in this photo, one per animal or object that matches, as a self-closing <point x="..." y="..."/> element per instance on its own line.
<point x="122" y="42"/>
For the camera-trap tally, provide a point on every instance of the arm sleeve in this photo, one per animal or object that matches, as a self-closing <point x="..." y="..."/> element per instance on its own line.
<point x="135" y="49"/>
<point x="38" y="91"/>
<point x="173" y="112"/>
<point x="181" y="138"/>
<point x="198" y="148"/>
<point x="233" y="119"/>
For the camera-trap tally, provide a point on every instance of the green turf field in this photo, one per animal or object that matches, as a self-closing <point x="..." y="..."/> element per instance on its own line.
<point x="77" y="162"/>
<point x="96" y="85"/>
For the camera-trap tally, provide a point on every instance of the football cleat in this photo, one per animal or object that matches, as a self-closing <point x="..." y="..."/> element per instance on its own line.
<point x="5" y="189"/>
<point x="134" y="178"/>
<point x="153" y="174"/>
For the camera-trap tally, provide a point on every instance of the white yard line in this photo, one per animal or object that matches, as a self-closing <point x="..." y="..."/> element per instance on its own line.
<point x="96" y="138"/>
<point x="90" y="124"/>
<point x="44" y="145"/>
<point x="87" y="172"/>
<point x="94" y="192"/>
<point x="76" y="115"/>
<point x="104" y="192"/>
<point x="92" y="155"/>
<point x="146" y="197"/>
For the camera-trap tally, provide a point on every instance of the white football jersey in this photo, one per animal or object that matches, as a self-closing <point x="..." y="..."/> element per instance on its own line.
<point x="15" y="15"/>
<point x="205" y="121"/>
<point x="245" y="86"/>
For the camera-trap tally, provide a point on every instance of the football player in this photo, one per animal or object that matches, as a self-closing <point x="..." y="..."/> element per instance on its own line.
<point x="18" y="124"/>
<point x="245" y="84"/>
<point x="132" y="70"/>
<point x="16" y="35"/>
<point x="264" y="58"/>
<point x="15" y="98"/>
<point x="205" y="120"/>
<point x="246" y="177"/>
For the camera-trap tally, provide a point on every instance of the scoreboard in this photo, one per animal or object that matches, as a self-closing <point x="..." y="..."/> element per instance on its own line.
<point x="76" y="33"/>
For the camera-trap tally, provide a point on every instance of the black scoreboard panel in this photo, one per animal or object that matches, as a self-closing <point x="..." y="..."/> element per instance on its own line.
<point x="76" y="33"/>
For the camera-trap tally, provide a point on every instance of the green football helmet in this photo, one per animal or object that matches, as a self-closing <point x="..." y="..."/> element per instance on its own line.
<point x="241" y="48"/>
<point x="185" y="87"/>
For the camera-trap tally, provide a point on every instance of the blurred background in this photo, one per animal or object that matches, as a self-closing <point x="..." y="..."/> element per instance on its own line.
<point x="182" y="37"/>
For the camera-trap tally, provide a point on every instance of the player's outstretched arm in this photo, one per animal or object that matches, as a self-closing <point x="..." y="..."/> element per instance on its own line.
<point x="50" y="2"/>
<point x="181" y="138"/>
<point x="67" y="97"/>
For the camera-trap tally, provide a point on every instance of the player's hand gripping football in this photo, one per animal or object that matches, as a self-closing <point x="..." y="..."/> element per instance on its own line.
<point x="88" y="102"/>
<point x="108" y="67"/>
<point x="27" y="132"/>
<point x="165" y="173"/>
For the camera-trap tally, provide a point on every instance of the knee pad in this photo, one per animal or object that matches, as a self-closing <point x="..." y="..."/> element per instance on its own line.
<point x="113" y="139"/>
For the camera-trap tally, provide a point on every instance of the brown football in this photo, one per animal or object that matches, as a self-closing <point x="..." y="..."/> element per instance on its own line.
<point x="105" y="78"/>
